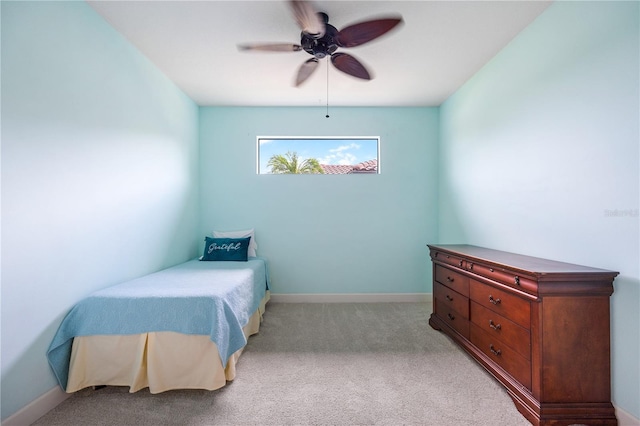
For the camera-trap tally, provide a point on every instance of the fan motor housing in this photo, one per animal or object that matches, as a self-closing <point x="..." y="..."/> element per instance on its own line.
<point x="323" y="46"/>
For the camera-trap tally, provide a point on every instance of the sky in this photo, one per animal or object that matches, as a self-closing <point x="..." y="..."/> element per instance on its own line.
<point x="327" y="151"/>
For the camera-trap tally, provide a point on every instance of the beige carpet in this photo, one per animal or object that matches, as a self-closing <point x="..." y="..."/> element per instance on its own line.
<point x="323" y="364"/>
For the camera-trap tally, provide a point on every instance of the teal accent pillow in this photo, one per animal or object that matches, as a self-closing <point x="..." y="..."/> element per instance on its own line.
<point x="234" y="249"/>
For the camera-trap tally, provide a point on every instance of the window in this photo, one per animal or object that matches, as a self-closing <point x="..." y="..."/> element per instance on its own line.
<point x="318" y="155"/>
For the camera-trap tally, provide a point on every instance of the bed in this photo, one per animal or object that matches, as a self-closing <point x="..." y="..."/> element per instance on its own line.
<point x="181" y="328"/>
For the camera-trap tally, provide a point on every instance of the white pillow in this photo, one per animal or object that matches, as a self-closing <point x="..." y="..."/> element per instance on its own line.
<point x="253" y="246"/>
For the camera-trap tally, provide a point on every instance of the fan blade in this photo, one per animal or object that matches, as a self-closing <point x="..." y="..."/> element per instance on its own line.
<point x="305" y="70"/>
<point x="308" y="19"/>
<point x="350" y="65"/>
<point x="271" y="47"/>
<point x="357" y="34"/>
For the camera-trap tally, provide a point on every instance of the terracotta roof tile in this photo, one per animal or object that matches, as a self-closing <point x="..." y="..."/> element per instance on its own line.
<point x="370" y="166"/>
<point x="336" y="169"/>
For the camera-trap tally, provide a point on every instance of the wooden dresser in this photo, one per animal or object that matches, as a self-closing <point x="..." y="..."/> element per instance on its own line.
<point x="540" y="327"/>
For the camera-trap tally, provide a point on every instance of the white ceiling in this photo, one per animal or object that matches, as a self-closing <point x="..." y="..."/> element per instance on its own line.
<point x="439" y="46"/>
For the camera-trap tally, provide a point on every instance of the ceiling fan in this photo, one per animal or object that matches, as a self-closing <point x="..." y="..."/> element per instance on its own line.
<point x="321" y="39"/>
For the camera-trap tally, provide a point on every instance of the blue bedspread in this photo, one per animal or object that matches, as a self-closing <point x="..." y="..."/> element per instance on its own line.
<point x="207" y="298"/>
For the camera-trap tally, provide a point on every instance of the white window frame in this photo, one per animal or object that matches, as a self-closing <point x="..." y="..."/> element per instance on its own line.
<point x="318" y="138"/>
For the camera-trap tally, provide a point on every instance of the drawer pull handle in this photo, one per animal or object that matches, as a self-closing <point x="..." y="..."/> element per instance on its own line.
<point x="451" y="317"/>
<point x="490" y="269"/>
<point x="516" y="280"/>
<point x="449" y="298"/>
<point x="496" y="352"/>
<point x="494" y="301"/>
<point x="494" y="325"/>
<point x="450" y="279"/>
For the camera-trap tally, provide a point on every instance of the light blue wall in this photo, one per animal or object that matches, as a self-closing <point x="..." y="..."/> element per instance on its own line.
<point x="541" y="148"/>
<point x="327" y="234"/>
<point x="99" y="176"/>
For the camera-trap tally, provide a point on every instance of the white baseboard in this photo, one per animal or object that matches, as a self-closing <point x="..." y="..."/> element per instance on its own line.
<point x="626" y="419"/>
<point x="351" y="298"/>
<point x="38" y="408"/>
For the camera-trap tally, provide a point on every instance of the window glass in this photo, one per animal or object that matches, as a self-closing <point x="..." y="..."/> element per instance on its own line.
<point x="325" y="155"/>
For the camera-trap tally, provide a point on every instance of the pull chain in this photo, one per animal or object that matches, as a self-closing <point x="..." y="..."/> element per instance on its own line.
<point x="327" y="88"/>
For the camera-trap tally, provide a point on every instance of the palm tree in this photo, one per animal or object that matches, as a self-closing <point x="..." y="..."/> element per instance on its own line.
<point x="289" y="164"/>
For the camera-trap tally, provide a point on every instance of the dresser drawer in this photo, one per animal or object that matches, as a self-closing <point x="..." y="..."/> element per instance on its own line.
<point x="503" y="355"/>
<point x="448" y="258"/>
<point x="452" y="279"/>
<point x="452" y="299"/>
<point x="504" y="277"/>
<point x="508" y="305"/>
<point x="507" y="331"/>
<point x="453" y="318"/>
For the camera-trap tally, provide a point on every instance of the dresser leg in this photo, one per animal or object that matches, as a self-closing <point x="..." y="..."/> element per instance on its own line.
<point x="434" y="324"/>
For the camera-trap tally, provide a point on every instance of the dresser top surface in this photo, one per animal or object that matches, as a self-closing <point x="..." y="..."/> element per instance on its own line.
<point x="535" y="265"/>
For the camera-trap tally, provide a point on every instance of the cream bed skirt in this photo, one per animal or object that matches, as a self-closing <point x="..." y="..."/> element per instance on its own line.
<point x="161" y="361"/>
